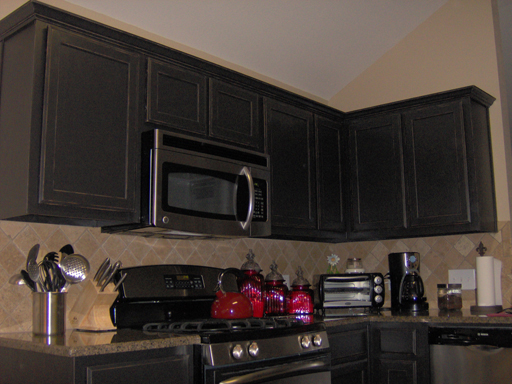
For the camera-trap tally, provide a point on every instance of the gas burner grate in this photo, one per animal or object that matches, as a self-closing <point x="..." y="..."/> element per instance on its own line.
<point x="219" y="325"/>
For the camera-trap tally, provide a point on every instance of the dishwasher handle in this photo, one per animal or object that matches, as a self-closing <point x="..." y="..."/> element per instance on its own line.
<point x="483" y="348"/>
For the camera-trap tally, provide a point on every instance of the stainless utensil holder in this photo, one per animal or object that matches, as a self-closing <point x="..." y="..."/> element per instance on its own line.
<point x="48" y="313"/>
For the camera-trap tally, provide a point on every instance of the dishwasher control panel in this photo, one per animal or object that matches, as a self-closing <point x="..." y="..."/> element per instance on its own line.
<point x="498" y="337"/>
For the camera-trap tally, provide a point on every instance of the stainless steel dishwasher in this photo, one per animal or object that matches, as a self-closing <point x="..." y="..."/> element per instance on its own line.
<point x="470" y="355"/>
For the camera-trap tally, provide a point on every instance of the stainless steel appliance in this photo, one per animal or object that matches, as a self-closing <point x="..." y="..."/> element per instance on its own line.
<point x="407" y="290"/>
<point x="195" y="188"/>
<point x="172" y="299"/>
<point x="470" y="355"/>
<point x="350" y="291"/>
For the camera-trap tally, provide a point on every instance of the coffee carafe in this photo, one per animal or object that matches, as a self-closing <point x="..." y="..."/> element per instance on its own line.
<point x="407" y="290"/>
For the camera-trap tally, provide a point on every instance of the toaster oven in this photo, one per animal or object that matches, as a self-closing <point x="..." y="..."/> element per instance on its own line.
<point x="361" y="290"/>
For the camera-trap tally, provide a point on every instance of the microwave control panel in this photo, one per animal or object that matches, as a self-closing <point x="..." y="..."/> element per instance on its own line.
<point x="260" y="198"/>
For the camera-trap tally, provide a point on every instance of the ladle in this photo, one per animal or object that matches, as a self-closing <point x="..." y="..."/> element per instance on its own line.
<point x="75" y="269"/>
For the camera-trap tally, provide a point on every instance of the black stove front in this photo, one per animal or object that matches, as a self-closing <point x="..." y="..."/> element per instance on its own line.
<point x="176" y="299"/>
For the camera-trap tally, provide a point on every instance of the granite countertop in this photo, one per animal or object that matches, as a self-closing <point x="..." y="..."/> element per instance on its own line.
<point x="433" y="317"/>
<point x="75" y="343"/>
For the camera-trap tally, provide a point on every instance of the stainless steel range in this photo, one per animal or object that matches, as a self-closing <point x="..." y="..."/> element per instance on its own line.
<point x="177" y="299"/>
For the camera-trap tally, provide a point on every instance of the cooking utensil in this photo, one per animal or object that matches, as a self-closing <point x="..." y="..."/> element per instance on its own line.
<point x="104" y="275"/>
<point x="230" y="305"/>
<point x="101" y="269"/>
<point x="118" y="284"/>
<point x="16" y="279"/>
<point x="28" y="281"/>
<point x="110" y="276"/>
<point x="32" y="266"/>
<point x="67" y="249"/>
<point x="75" y="268"/>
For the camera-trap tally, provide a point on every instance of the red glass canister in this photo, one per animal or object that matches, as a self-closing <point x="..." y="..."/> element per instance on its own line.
<point x="251" y="285"/>
<point x="299" y="300"/>
<point x="275" y="293"/>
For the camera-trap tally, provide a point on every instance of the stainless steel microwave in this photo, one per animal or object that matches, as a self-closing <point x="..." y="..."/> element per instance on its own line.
<point x="194" y="188"/>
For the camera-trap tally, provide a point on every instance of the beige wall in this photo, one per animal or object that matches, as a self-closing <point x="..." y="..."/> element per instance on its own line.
<point x="454" y="48"/>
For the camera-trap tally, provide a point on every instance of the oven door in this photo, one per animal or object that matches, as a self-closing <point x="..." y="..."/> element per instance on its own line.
<point x="206" y="195"/>
<point x="298" y="370"/>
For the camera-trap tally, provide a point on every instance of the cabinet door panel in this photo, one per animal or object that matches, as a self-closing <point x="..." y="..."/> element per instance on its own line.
<point x="377" y="182"/>
<point x="176" y="97"/>
<point x="292" y="146"/>
<point x="395" y="372"/>
<point x="89" y="134"/>
<point x="330" y="175"/>
<point x="436" y="165"/>
<point x="350" y="373"/>
<point x="174" y="369"/>
<point x="234" y="115"/>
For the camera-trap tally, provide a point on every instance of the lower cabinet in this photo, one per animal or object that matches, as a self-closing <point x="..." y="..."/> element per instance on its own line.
<point x="349" y="354"/>
<point x="169" y="365"/>
<point x="399" y="353"/>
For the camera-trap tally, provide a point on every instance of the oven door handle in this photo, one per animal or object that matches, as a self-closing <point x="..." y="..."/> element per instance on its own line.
<point x="247" y="172"/>
<point x="269" y="373"/>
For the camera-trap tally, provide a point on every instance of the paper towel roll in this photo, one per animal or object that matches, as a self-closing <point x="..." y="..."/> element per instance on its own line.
<point x="485" y="288"/>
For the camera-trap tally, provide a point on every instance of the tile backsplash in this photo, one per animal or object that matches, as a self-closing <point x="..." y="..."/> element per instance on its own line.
<point x="438" y="255"/>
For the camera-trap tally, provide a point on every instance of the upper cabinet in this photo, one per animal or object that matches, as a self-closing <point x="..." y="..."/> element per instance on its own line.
<point x="292" y="153"/>
<point x="307" y="173"/>
<point x="69" y="107"/>
<point x="189" y="101"/>
<point x="76" y="95"/>
<point x="423" y="168"/>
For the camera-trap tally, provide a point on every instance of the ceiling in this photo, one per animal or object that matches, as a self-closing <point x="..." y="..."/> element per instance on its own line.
<point x="316" y="46"/>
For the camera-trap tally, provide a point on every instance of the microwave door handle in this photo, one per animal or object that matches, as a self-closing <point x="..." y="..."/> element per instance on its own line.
<point x="247" y="173"/>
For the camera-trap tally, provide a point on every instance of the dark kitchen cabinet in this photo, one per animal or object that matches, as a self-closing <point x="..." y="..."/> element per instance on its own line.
<point x="349" y="354"/>
<point x="292" y="151"/>
<point x="189" y="101"/>
<point x="69" y="104"/>
<point x="307" y="163"/>
<point x="331" y="143"/>
<point x="235" y="115"/>
<point x="170" y="365"/>
<point x="177" y="97"/>
<point x="377" y="173"/>
<point x="400" y="353"/>
<point x="423" y="167"/>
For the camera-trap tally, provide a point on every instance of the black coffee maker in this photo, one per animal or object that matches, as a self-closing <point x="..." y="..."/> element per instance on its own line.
<point x="407" y="290"/>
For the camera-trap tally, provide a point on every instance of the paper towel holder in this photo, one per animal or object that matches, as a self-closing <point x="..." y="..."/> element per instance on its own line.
<point x="484" y="310"/>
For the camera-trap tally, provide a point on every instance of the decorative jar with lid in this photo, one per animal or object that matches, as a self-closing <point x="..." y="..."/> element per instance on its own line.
<point x="275" y="293"/>
<point x="300" y="299"/>
<point x="251" y="285"/>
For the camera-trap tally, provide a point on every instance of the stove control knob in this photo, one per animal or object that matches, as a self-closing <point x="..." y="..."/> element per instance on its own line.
<point x="317" y="341"/>
<point x="253" y="349"/>
<point x="377" y="280"/>
<point x="305" y="341"/>
<point x="378" y="289"/>
<point x="237" y="352"/>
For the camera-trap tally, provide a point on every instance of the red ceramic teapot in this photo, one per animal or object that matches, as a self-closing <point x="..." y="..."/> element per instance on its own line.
<point x="230" y="305"/>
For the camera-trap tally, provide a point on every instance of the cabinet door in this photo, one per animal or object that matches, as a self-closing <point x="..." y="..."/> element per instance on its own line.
<point x="350" y="373"/>
<point x="292" y="149"/>
<point x="176" y="97"/>
<point x="330" y="175"/>
<point x="399" y="353"/>
<point x="436" y="165"/>
<point x="90" y="141"/>
<point x="173" y="369"/>
<point x="377" y="179"/>
<point x="234" y="115"/>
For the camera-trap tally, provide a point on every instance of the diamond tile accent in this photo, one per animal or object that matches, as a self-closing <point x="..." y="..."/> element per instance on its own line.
<point x="438" y="255"/>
